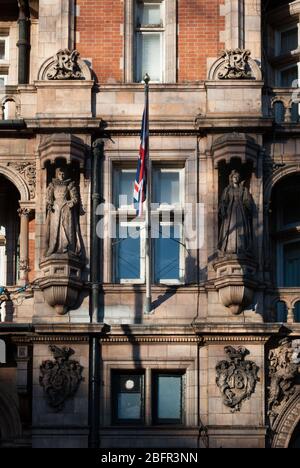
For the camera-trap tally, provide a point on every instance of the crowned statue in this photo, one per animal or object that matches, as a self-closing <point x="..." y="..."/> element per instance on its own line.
<point x="236" y="212"/>
<point x="62" y="223"/>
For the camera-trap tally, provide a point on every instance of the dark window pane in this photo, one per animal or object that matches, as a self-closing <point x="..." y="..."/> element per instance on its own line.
<point x="291" y="207"/>
<point x="279" y="112"/>
<point x="288" y="77"/>
<point x="168" y="398"/>
<point x="128" y="254"/>
<point x="127" y="397"/>
<point x="289" y="40"/>
<point x="2" y="49"/>
<point x="297" y="312"/>
<point x="167" y="251"/>
<point x="295" y="112"/>
<point x="292" y="265"/>
<point x="281" y="312"/>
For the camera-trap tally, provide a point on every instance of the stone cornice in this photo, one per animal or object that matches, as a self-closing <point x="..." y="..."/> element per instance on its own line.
<point x="151" y="339"/>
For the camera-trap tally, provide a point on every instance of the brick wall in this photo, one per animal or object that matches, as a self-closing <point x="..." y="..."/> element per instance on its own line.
<point x="99" y="36"/>
<point x="99" y="26"/>
<point x="200" y="24"/>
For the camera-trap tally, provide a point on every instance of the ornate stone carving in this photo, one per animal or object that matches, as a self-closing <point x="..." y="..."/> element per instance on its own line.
<point x="28" y="171"/>
<point x="235" y="64"/>
<point x="62" y="225"/>
<point x="25" y="211"/>
<point x="236" y="378"/>
<point x="23" y="265"/>
<point x="60" y="378"/>
<point x="65" y="66"/>
<point x="284" y="369"/>
<point x="236" y="208"/>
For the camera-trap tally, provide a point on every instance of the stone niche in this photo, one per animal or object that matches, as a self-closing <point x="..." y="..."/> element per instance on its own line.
<point x="63" y="258"/>
<point x="235" y="157"/>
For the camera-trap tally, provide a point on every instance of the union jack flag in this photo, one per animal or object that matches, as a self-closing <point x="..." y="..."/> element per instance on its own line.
<point x="140" y="184"/>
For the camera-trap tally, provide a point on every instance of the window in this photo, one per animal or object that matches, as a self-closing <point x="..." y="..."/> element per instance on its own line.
<point x="3" y="46"/>
<point x="163" y="403"/>
<point x="123" y="188"/>
<point x="168" y="187"/>
<point x="291" y="255"/>
<point x="288" y="40"/>
<point x="2" y="352"/>
<point x="288" y="76"/>
<point x="127" y="397"/>
<point x="168" y="262"/>
<point x="285" y="223"/>
<point x="3" y="79"/>
<point x="168" y="254"/>
<point x="149" y="40"/>
<point x="129" y="253"/>
<point x="150" y="46"/>
<point x="167" y="403"/>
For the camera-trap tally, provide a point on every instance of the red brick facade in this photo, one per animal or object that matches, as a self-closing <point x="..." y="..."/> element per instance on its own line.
<point x="200" y="24"/>
<point x="100" y="26"/>
<point x="100" y="38"/>
<point x="31" y="251"/>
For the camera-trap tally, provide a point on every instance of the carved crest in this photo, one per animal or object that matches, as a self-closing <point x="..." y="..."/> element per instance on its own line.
<point x="284" y="369"/>
<point x="61" y="377"/>
<point x="236" y="378"/>
<point x="235" y="64"/>
<point x="65" y="66"/>
<point x="28" y="171"/>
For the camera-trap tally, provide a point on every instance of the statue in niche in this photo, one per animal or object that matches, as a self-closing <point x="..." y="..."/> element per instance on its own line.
<point x="236" y="212"/>
<point x="62" y="223"/>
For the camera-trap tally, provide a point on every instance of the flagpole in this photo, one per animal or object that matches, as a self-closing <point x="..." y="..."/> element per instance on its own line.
<point x="148" y="299"/>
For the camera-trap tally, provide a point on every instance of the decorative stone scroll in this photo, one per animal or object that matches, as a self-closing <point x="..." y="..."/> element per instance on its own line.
<point x="236" y="378"/>
<point x="60" y="378"/>
<point x="235" y="64"/>
<point x="284" y="370"/>
<point x="28" y="171"/>
<point x="65" y="66"/>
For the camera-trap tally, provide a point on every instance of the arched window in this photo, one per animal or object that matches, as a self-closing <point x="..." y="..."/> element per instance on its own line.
<point x="2" y="352"/>
<point x="281" y="312"/>
<point x="9" y="238"/>
<point x="285" y="232"/>
<point x="297" y="312"/>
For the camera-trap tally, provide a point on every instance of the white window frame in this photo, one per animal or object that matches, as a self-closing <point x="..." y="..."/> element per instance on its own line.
<point x="138" y="44"/>
<point x="4" y="36"/>
<point x="162" y="206"/>
<point x="116" y="182"/>
<point x="3" y="75"/>
<point x="170" y="282"/>
<point x="141" y="280"/>
<point x="169" y="65"/>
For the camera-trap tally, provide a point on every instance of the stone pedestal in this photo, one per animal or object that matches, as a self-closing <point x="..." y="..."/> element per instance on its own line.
<point x="61" y="281"/>
<point x="235" y="282"/>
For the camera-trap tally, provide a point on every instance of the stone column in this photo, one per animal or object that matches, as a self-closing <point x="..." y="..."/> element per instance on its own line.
<point x="24" y="215"/>
<point x="291" y="315"/>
